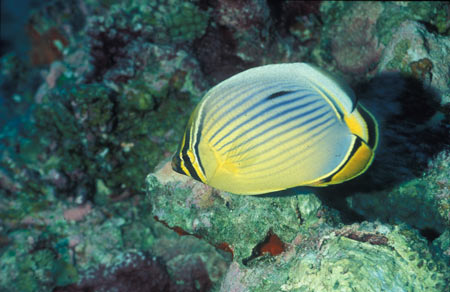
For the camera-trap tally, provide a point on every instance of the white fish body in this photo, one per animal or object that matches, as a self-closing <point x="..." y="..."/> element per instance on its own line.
<point x="275" y="127"/>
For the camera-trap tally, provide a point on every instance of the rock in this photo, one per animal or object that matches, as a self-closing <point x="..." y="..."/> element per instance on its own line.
<point x="423" y="202"/>
<point x="104" y="250"/>
<point x="288" y="240"/>
<point x="224" y="220"/>
<point x="414" y="50"/>
<point x="355" y="46"/>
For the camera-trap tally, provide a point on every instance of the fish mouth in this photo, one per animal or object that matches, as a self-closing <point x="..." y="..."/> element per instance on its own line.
<point x="176" y="164"/>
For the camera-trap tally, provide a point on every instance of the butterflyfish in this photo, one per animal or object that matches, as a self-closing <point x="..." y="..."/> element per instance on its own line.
<point x="276" y="127"/>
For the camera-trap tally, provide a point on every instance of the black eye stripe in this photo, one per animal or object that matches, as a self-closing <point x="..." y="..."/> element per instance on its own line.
<point x="191" y="169"/>
<point x="185" y="157"/>
<point x="176" y="164"/>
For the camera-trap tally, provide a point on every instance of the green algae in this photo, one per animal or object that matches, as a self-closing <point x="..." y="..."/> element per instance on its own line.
<point x="333" y="11"/>
<point x="442" y="245"/>
<point x="166" y="21"/>
<point x="102" y="194"/>
<point x="57" y="252"/>
<point x="339" y="263"/>
<point x="98" y="128"/>
<point x="391" y="15"/>
<point x="344" y="264"/>
<point x="32" y="269"/>
<point x="422" y="202"/>
<point x="309" y="205"/>
<point x="64" y="273"/>
<point x="217" y="217"/>
<point x="400" y="51"/>
<point x="318" y="255"/>
<point x="183" y="23"/>
<point x="433" y="13"/>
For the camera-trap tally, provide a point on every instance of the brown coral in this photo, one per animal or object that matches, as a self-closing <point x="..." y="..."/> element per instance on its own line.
<point x="422" y="69"/>
<point x="43" y="45"/>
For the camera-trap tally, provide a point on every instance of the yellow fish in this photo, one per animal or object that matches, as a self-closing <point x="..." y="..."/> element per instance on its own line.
<point x="276" y="127"/>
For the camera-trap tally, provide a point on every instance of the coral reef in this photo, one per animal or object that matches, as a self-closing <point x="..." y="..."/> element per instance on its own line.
<point x="423" y="54"/>
<point x="245" y="34"/>
<point x="132" y="272"/>
<point x="93" y="124"/>
<point x="354" y="45"/>
<point x="105" y="93"/>
<point x="57" y="249"/>
<point x="120" y="36"/>
<point x="203" y="214"/>
<point x="290" y="242"/>
<point x="429" y="193"/>
<point x="360" y="35"/>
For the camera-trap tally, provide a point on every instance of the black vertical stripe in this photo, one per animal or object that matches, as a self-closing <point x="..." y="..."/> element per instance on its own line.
<point x="176" y="160"/>
<point x="191" y="169"/>
<point x="371" y="127"/>
<point x="176" y="163"/>
<point x="195" y="148"/>
<point x="187" y="134"/>
<point x="185" y="157"/>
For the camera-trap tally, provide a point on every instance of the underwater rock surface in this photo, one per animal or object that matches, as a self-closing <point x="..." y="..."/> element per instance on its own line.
<point x="290" y="242"/>
<point x="423" y="54"/>
<point x="103" y="248"/>
<point x="100" y="95"/>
